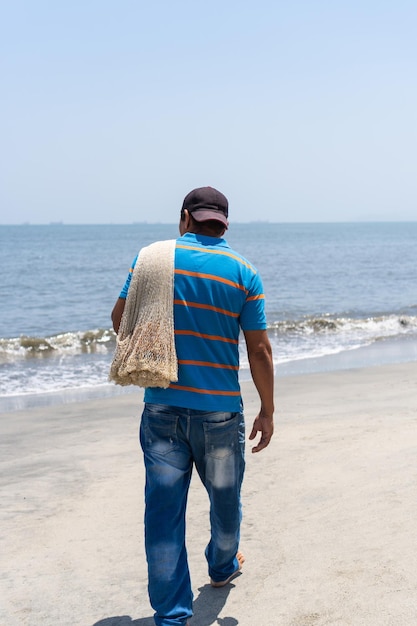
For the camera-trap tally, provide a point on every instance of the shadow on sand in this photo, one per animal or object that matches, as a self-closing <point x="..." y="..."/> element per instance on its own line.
<point x="207" y="607"/>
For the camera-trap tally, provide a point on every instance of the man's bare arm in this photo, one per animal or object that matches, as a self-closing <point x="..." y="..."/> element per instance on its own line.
<point x="116" y="314"/>
<point x="262" y="370"/>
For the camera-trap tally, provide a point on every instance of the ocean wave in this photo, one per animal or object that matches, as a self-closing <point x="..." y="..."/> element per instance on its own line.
<point x="329" y="332"/>
<point x="377" y="327"/>
<point x="70" y="343"/>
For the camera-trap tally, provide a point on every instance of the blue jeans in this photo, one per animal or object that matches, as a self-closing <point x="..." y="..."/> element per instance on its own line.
<point x="172" y="440"/>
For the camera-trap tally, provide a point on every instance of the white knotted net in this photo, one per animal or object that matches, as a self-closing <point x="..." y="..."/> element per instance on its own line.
<point x="145" y="352"/>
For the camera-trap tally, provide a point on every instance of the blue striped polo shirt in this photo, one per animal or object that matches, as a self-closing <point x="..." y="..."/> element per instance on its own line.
<point x="217" y="292"/>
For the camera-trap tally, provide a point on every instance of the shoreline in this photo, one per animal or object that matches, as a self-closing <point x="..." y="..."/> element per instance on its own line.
<point x="401" y="349"/>
<point x="329" y="510"/>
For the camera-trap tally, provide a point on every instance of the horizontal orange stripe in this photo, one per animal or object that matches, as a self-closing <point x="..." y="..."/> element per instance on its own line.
<point x="218" y="279"/>
<point x="209" y="364"/>
<point x="213" y="392"/>
<point x="214" y="277"/>
<point x="260" y="297"/>
<point x="192" y="333"/>
<point x="208" y="307"/>
<point x="221" y="252"/>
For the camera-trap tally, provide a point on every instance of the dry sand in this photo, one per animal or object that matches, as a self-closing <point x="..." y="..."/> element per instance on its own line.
<point x="330" y="511"/>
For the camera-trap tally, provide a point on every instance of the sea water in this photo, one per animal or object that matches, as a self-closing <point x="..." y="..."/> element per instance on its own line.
<point x="337" y="295"/>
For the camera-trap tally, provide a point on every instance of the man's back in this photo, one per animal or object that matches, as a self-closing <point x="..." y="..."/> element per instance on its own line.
<point x="216" y="293"/>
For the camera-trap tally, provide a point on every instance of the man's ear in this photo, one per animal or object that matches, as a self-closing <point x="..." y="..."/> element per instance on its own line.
<point x="184" y="224"/>
<point x="187" y="219"/>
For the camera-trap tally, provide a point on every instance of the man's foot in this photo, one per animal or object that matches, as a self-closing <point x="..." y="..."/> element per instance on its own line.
<point x="222" y="583"/>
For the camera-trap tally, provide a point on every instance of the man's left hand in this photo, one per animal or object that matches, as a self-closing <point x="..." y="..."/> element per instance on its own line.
<point x="264" y="425"/>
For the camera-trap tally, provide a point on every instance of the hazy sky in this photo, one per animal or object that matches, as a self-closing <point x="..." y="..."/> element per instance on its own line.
<point x="297" y="111"/>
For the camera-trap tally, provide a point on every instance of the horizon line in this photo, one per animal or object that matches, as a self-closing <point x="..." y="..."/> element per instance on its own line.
<point x="160" y="223"/>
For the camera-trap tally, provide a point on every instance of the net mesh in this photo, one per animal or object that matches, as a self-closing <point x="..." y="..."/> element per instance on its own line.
<point x="145" y="352"/>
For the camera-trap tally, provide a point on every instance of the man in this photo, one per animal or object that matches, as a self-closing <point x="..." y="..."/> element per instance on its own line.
<point x="198" y="419"/>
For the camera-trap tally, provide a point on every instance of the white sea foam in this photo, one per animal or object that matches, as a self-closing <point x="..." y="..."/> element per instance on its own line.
<point x="81" y="342"/>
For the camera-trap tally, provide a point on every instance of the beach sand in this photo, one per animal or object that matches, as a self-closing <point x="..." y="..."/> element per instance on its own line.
<point x="330" y="509"/>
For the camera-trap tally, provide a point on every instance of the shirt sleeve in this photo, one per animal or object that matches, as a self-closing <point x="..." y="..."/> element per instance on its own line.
<point x="123" y="293"/>
<point x="253" y="315"/>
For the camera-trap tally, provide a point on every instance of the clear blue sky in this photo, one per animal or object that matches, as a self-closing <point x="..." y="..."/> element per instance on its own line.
<point x="297" y="111"/>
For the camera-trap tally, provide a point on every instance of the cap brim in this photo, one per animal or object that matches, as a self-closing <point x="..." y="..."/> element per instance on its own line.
<point x="204" y="215"/>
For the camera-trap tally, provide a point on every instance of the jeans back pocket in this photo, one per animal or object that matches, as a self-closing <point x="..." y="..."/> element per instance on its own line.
<point x="159" y="431"/>
<point x="222" y="438"/>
